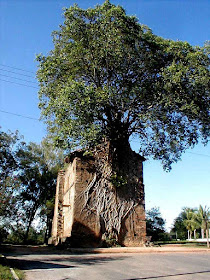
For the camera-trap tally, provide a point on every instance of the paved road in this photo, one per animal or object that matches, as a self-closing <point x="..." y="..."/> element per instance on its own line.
<point x="54" y="265"/>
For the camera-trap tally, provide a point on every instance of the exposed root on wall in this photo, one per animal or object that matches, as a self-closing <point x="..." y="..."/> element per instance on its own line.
<point x="102" y="197"/>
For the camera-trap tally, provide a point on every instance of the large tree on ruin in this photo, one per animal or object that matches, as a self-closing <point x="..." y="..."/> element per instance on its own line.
<point x="110" y="77"/>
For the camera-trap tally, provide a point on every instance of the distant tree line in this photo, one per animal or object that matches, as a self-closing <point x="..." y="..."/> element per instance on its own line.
<point x="27" y="187"/>
<point x="155" y="225"/>
<point x="192" y="222"/>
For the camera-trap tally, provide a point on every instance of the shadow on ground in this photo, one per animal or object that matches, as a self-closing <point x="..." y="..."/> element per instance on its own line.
<point x="49" y="258"/>
<point x="25" y="264"/>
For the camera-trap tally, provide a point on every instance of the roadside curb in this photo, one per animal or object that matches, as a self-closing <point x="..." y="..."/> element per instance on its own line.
<point x="137" y="250"/>
<point x="11" y="269"/>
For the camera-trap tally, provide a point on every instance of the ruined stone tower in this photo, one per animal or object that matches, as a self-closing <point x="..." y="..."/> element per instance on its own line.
<point x="76" y="219"/>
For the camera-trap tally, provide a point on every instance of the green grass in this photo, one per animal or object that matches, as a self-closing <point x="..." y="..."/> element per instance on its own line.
<point x="194" y="244"/>
<point x="19" y="273"/>
<point x="181" y="243"/>
<point x="5" y="273"/>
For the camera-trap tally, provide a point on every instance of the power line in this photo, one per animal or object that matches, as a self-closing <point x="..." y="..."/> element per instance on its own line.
<point x="19" y="115"/>
<point x="198" y="154"/>
<point x="20" y="69"/>
<point x="17" y="78"/>
<point x="18" y="83"/>
<point x="185" y="152"/>
<point x="8" y="71"/>
<point x="27" y="117"/>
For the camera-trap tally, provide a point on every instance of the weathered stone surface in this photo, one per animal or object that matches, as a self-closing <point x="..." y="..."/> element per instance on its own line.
<point x="76" y="220"/>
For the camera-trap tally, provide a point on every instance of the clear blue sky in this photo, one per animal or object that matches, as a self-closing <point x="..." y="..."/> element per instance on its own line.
<point x="25" y="30"/>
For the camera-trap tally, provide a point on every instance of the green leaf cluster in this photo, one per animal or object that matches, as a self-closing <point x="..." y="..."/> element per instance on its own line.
<point x="28" y="175"/>
<point x="109" y="76"/>
<point x="118" y="180"/>
<point x="155" y="224"/>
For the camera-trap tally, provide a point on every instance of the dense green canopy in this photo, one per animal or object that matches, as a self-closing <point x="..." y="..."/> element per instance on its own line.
<point x="109" y="76"/>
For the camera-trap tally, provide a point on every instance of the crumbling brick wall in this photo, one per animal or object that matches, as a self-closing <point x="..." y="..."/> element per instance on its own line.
<point x="81" y="226"/>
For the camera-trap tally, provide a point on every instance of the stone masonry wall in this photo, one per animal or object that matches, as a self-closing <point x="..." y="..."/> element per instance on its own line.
<point x="80" y="226"/>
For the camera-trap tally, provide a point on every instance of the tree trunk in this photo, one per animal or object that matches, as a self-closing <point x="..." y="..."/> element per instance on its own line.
<point x="202" y="233"/>
<point x="207" y="237"/>
<point x="194" y="233"/>
<point x="28" y="228"/>
<point x="33" y="211"/>
<point x="48" y="229"/>
<point x="46" y="236"/>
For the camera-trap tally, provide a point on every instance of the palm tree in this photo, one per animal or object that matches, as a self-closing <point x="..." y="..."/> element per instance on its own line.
<point x="196" y="223"/>
<point x="189" y="221"/>
<point x="203" y="217"/>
